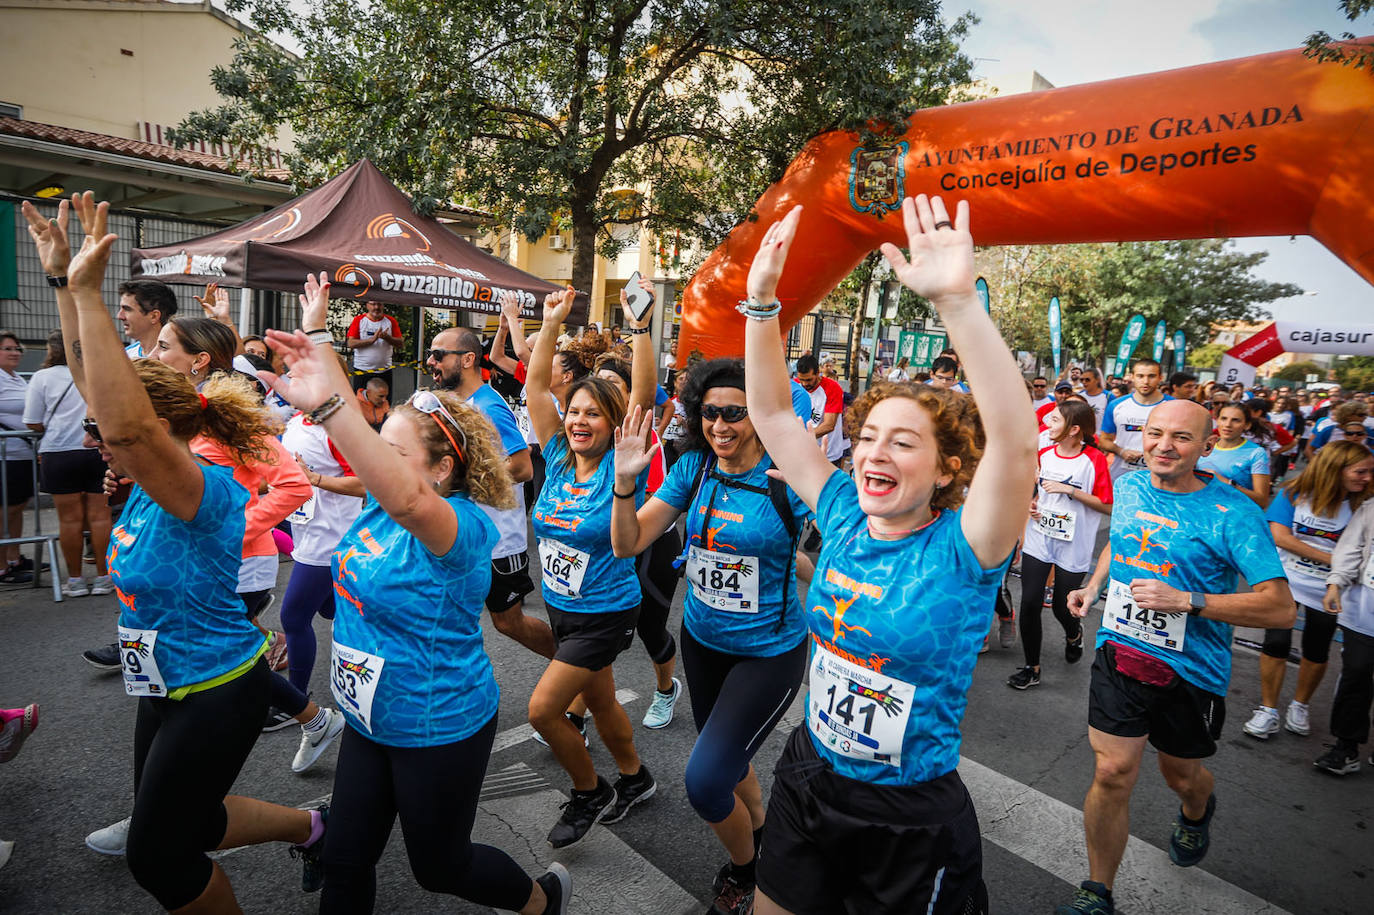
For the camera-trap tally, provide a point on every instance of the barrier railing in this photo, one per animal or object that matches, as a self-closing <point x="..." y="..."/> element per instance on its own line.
<point x="37" y="537"/>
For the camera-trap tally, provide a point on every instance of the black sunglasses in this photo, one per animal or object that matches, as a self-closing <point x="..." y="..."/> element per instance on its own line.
<point x="438" y="354"/>
<point x="731" y="413"/>
<point x="92" y="429"/>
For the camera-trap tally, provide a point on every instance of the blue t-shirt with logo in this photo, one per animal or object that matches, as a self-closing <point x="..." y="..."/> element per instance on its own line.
<point x="896" y="626"/>
<point x="572" y="520"/>
<point x="1237" y="464"/>
<point x="742" y="560"/>
<point x="419" y="615"/>
<point x="801" y="401"/>
<point x="180" y="578"/>
<point x="1198" y="541"/>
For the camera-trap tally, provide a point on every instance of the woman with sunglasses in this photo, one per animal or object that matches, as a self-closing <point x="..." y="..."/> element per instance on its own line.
<point x="189" y="652"/>
<point x="1307" y="518"/>
<point x="592" y="596"/>
<point x="867" y="811"/>
<point x="407" y="664"/>
<point x="743" y="633"/>
<point x="1235" y="459"/>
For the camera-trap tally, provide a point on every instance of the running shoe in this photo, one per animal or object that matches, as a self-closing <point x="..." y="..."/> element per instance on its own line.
<point x="1297" y="719"/>
<point x="6" y="850"/>
<point x="1091" y="898"/>
<point x="557" y="886"/>
<point x="733" y="898"/>
<point x="1340" y="759"/>
<point x="14" y="575"/>
<point x="586" y="719"/>
<point x="312" y="857"/>
<point x="660" y="713"/>
<point x="75" y="587"/>
<point x="631" y="790"/>
<point x="106" y="657"/>
<point x="112" y="840"/>
<point x="26" y="564"/>
<point x="276" y="654"/>
<point x="581" y="813"/>
<point x="276" y="720"/>
<point x="1263" y="723"/>
<point x="103" y="584"/>
<point x="314" y="744"/>
<point x="1024" y="678"/>
<point x="16" y="731"/>
<point x="1188" y="844"/>
<point x="1073" y="648"/>
<point x="1006" y="630"/>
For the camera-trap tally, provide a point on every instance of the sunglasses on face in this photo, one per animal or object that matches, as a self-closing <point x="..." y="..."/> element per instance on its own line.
<point x="732" y="413"/>
<point x="91" y="429"/>
<point x="438" y="354"/>
<point x="1354" y="433"/>
<point x="426" y="402"/>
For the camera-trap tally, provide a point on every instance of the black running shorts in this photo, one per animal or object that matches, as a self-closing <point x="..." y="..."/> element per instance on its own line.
<point x="592" y="640"/>
<point x="510" y="582"/>
<point x="1181" y="719"/>
<point x="63" y="472"/>
<point x="835" y="845"/>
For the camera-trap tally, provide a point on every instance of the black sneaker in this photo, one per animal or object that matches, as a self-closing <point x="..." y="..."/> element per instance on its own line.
<point x="630" y="790"/>
<point x="106" y="657"/>
<point x="581" y="813"/>
<point x="276" y="720"/>
<point x="1340" y="759"/>
<point x="14" y="575"/>
<point x="1024" y="678"/>
<point x="1073" y="648"/>
<point x="581" y="729"/>
<point x="26" y="564"/>
<point x="312" y="863"/>
<point x="557" y="886"/>
<point x="1091" y="898"/>
<point x="733" y="898"/>
<point x="1188" y="844"/>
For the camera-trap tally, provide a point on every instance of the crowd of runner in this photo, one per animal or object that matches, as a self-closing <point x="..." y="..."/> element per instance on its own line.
<point x="861" y="549"/>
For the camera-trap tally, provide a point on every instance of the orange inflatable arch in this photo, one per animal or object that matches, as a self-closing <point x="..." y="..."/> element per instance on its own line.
<point x="1269" y="145"/>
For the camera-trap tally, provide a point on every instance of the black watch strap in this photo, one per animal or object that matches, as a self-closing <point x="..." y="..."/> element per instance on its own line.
<point x="57" y="282"/>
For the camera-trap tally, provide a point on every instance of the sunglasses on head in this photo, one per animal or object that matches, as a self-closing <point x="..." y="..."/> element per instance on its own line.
<point x="91" y="429"/>
<point x="438" y="354"/>
<point x="731" y="413"/>
<point x="428" y="403"/>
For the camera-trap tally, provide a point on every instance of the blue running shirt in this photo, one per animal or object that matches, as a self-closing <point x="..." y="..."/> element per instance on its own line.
<point x="1238" y="463"/>
<point x="572" y="522"/>
<point x="896" y="626"/>
<point x="738" y="568"/>
<point x="1198" y="541"/>
<point x="407" y="666"/>
<point x="179" y="579"/>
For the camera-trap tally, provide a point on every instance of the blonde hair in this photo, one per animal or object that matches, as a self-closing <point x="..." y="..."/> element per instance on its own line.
<point x="233" y="414"/>
<point x="480" y="470"/>
<point x="958" y="430"/>
<point x="1320" y="481"/>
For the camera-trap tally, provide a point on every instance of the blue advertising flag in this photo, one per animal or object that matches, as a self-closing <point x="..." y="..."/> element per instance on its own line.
<point x="1160" y="334"/>
<point x="1135" y="329"/>
<point x="984" y="296"/>
<point x="1179" y="351"/>
<point x="1055" y="332"/>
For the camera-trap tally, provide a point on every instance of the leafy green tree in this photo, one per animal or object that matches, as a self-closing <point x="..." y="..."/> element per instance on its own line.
<point x="594" y="114"/>
<point x="1356" y="373"/>
<point x="1298" y="371"/>
<point x="1208" y="356"/>
<point x="1322" y="47"/>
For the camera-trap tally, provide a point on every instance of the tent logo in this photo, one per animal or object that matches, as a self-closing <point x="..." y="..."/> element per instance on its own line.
<point x="390" y="226"/>
<point x="353" y="275"/>
<point x="292" y="219"/>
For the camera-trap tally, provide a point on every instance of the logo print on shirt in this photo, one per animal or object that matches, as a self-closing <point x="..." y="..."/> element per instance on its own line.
<point x="340" y="588"/>
<point x="841" y="627"/>
<point x="1148" y="545"/>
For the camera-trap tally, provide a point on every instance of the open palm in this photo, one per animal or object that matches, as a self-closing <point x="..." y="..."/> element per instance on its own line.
<point x="941" y="263"/>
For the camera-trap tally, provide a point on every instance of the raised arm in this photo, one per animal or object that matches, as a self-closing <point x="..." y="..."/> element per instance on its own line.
<point x="511" y="317"/>
<point x="768" y="392"/>
<point x="643" y="371"/>
<point x="941" y="270"/>
<point x="633" y="531"/>
<point x="544" y="418"/>
<point x="55" y="254"/>
<point x="215" y="304"/>
<point x="498" y="355"/>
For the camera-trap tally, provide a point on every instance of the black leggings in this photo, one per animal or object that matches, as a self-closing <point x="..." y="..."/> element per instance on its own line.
<point x="187" y="754"/>
<point x="657" y="582"/>
<point x="1318" y="629"/>
<point x="435" y="791"/>
<point x="736" y="703"/>
<point x="1355" y="689"/>
<point x="1034" y="574"/>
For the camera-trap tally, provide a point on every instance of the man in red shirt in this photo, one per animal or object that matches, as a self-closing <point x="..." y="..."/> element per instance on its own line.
<point x="827" y="403"/>
<point x="372" y="337"/>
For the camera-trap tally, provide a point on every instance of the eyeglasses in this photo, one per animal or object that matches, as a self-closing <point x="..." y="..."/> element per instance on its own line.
<point x="438" y="354"/>
<point x="1355" y="433"/>
<point x="92" y="429"/>
<point x="11" y="349"/>
<point x="1033" y="384"/>
<point x="428" y="403"/>
<point x="731" y="413"/>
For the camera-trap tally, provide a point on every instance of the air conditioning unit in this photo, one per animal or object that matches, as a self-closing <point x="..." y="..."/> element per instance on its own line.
<point x="557" y="243"/>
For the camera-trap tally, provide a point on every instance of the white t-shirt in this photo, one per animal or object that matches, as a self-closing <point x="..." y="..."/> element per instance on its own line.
<point x="1038" y="402"/>
<point x="376" y="356"/>
<point x="13" y="393"/>
<point x="1125" y="419"/>
<point x="1099" y="403"/>
<point x="319" y="524"/>
<point x="510" y="522"/>
<point x="829" y="392"/>
<point x="56" y="403"/>
<point x="1066" y="533"/>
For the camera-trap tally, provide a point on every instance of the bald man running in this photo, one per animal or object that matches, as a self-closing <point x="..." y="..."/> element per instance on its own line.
<point x="1179" y="539"/>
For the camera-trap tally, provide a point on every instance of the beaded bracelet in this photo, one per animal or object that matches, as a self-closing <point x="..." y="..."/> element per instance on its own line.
<point x="751" y="308"/>
<point x="639" y="330"/>
<point x="325" y="410"/>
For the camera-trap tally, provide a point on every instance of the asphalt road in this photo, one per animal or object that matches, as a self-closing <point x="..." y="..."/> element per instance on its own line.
<point x="1285" y="839"/>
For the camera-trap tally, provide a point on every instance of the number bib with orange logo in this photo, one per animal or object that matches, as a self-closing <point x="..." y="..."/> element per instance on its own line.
<point x="1166" y="630"/>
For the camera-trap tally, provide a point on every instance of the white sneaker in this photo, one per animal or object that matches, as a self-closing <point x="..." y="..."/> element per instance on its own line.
<point x="1263" y="723"/>
<point x="75" y="587"/>
<point x="1296" y="720"/>
<point x="112" y="839"/>
<point x="660" y="712"/>
<point x="103" y="584"/>
<point x="313" y="745"/>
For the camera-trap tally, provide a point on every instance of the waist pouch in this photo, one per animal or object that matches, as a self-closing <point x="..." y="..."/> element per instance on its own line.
<point x="1139" y="666"/>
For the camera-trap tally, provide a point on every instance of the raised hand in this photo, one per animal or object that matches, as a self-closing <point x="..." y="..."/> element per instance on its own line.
<point x="625" y="305"/>
<point x="557" y="305"/>
<point x="215" y="302"/>
<point x="766" y="269"/>
<point x="315" y="301"/>
<point x="50" y="237"/>
<point x="87" y="270"/>
<point x="510" y="305"/>
<point x="941" y="264"/>
<point x="311" y="379"/>
<point x="633" y="450"/>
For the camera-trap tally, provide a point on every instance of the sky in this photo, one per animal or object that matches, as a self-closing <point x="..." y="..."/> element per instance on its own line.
<point x="1072" y="41"/>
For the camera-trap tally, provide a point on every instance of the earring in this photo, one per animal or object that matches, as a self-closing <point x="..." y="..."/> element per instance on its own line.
<point x="194" y="372"/>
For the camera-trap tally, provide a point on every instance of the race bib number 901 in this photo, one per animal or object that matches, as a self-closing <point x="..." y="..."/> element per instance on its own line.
<point x="353" y="678"/>
<point x="1056" y="525"/>
<point x="1166" y="630"/>
<point x="857" y="712"/>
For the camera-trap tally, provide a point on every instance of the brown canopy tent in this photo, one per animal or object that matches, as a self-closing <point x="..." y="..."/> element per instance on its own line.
<point x="360" y="229"/>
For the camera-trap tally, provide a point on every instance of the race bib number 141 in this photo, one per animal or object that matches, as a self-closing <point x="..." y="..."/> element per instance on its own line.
<point x="857" y="712"/>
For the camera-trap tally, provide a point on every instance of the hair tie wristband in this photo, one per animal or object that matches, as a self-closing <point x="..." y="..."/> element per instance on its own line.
<point x="204" y="404"/>
<point x="754" y="310"/>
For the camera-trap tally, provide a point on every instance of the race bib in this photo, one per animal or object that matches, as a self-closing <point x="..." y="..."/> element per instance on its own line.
<point x="304" y="513"/>
<point x="1056" y="525"/>
<point x="857" y="712"/>
<point x="563" y="567"/>
<point x="522" y="419"/>
<point x="1165" y="630"/>
<point x="353" y="678"/>
<point x="724" y="581"/>
<point x="141" y="676"/>
<point x="1301" y="565"/>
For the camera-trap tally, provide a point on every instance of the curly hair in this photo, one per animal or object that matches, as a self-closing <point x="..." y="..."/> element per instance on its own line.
<point x="958" y="430"/>
<point x="692" y="387"/>
<point x="614" y="362"/>
<point x="480" y="472"/>
<point x="583" y="350"/>
<point x="233" y="414"/>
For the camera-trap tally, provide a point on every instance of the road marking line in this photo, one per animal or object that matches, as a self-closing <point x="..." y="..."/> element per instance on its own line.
<point x="522" y="732"/>
<point x="1049" y="834"/>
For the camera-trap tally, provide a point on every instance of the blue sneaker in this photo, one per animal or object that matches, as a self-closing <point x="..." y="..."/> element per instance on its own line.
<point x="1091" y="898"/>
<point x="660" y="713"/>
<point x="1188" y="844"/>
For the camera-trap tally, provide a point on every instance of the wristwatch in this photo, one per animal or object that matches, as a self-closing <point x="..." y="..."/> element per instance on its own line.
<point x="1197" y="602"/>
<point x="57" y="282"/>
